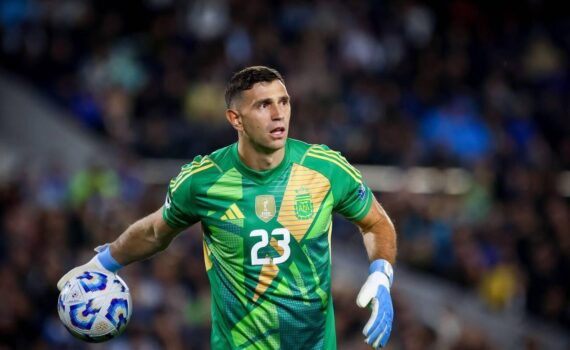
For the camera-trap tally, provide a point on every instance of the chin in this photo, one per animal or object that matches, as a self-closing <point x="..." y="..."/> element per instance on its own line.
<point x="275" y="145"/>
<point x="278" y="144"/>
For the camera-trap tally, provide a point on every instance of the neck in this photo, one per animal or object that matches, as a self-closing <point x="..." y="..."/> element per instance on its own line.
<point x="259" y="160"/>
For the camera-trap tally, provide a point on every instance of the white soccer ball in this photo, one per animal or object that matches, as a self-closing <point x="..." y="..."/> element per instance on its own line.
<point x="95" y="306"/>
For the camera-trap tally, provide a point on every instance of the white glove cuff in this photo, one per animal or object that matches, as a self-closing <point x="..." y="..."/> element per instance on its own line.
<point x="383" y="266"/>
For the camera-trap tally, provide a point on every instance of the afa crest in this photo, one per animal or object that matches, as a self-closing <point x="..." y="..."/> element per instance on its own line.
<point x="303" y="204"/>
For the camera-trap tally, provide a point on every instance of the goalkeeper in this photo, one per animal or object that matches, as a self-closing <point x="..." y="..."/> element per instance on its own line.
<point x="265" y="204"/>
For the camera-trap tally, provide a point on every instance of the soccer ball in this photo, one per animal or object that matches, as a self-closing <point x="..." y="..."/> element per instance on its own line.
<point x="95" y="306"/>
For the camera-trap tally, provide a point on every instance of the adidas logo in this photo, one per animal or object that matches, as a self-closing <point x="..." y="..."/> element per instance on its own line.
<point x="233" y="213"/>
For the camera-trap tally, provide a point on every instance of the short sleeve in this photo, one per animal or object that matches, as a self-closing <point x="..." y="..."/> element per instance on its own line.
<point x="178" y="210"/>
<point x="353" y="197"/>
<point x="356" y="199"/>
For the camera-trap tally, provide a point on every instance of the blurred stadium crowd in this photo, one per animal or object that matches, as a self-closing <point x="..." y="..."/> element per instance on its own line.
<point x="477" y="84"/>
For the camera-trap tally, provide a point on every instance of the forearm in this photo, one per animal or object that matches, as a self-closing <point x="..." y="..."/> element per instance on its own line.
<point x="141" y="240"/>
<point x="380" y="237"/>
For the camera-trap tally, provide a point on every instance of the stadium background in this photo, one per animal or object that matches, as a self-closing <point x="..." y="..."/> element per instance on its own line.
<point x="413" y="90"/>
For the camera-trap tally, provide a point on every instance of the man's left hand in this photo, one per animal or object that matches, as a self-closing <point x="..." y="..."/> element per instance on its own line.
<point x="376" y="292"/>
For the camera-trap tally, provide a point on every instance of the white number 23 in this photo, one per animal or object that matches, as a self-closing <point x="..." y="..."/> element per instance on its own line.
<point x="283" y="243"/>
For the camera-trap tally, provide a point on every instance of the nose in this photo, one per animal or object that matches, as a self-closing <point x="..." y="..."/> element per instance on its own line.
<point x="277" y="112"/>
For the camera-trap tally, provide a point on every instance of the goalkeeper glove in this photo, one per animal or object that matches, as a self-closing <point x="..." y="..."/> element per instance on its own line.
<point x="376" y="292"/>
<point x="102" y="262"/>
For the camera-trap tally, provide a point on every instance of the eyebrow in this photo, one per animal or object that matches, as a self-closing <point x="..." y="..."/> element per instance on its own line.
<point x="269" y="100"/>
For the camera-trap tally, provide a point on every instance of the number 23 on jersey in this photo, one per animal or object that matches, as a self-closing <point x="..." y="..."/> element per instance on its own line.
<point x="283" y="242"/>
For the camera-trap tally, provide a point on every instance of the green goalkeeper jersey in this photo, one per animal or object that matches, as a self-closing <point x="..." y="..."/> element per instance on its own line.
<point x="267" y="241"/>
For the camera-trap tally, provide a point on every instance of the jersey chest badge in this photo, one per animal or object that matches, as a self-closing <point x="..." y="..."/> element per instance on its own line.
<point x="303" y="204"/>
<point x="265" y="207"/>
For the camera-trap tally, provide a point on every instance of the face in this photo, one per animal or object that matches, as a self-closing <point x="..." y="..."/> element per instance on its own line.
<point x="261" y="116"/>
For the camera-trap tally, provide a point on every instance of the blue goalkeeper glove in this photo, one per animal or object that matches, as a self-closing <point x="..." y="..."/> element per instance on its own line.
<point x="376" y="292"/>
<point x="102" y="262"/>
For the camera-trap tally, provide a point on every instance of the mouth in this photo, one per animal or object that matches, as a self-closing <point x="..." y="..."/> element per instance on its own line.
<point x="278" y="132"/>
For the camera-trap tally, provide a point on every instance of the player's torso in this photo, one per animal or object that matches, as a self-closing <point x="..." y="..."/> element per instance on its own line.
<point x="268" y="253"/>
<point x="283" y="224"/>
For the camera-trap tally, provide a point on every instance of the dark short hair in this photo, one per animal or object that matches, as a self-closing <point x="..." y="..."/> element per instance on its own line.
<point x="246" y="78"/>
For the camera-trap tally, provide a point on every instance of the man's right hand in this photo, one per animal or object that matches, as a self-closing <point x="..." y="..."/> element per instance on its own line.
<point x="102" y="262"/>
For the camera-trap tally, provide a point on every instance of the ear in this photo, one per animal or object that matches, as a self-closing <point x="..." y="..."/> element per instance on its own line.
<point x="235" y="119"/>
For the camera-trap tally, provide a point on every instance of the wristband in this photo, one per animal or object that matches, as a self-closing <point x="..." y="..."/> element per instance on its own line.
<point x="107" y="260"/>
<point x="383" y="266"/>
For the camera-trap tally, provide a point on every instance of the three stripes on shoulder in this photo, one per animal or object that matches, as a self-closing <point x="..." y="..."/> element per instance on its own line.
<point x="336" y="158"/>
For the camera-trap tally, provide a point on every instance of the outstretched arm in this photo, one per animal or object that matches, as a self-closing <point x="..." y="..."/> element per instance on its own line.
<point x="380" y="241"/>
<point x="141" y="240"/>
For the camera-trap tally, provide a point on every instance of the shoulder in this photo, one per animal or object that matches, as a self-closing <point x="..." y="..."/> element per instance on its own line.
<point x="304" y="148"/>
<point x="202" y="169"/>
<point x="190" y="172"/>
<point x="329" y="162"/>
<point x="223" y="157"/>
<point x="300" y="150"/>
<point x="297" y="149"/>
